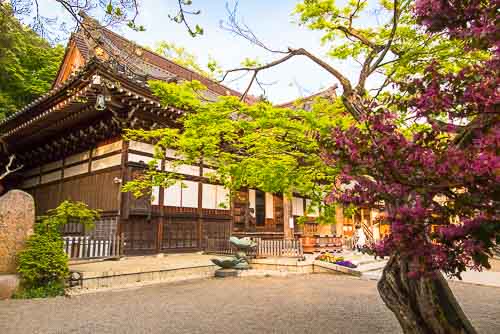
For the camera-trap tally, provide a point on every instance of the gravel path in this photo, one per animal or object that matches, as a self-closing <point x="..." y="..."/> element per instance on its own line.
<point x="295" y="304"/>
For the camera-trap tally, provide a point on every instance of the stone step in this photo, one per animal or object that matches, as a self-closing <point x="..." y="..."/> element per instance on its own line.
<point x="372" y="275"/>
<point x="360" y="270"/>
<point x="362" y="262"/>
<point x="373" y="266"/>
<point x="336" y="268"/>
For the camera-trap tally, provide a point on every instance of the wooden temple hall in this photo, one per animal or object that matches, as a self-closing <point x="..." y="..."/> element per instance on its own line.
<point x="69" y="141"/>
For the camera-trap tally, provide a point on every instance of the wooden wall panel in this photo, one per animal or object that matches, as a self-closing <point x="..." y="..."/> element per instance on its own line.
<point x="140" y="235"/>
<point x="278" y="210"/>
<point x="179" y="234"/>
<point x="240" y="210"/>
<point x="98" y="191"/>
<point x="216" y="229"/>
<point x="46" y="197"/>
<point x="131" y="204"/>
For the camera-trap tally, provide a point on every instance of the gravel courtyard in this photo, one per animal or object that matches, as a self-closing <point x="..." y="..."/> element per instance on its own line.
<point x="297" y="304"/>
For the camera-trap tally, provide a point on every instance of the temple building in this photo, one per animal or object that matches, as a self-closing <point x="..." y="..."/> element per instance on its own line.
<point x="70" y="143"/>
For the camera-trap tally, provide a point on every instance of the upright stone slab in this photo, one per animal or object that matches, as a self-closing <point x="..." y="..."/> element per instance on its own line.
<point x="17" y="218"/>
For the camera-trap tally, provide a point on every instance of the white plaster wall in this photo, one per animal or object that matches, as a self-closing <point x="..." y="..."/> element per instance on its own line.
<point x="52" y="165"/>
<point x="222" y="198"/>
<point x="113" y="160"/>
<point x="76" y="170"/>
<point x="251" y="201"/>
<point x="77" y="158"/>
<point x="142" y="147"/>
<point x="297" y="206"/>
<point x="208" y="172"/>
<point x="101" y="150"/>
<point x="188" y="170"/>
<point x="269" y="205"/>
<point x="182" y="169"/>
<point x="189" y="192"/>
<point x="172" y="195"/>
<point x="54" y="176"/>
<point x="169" y="153"/>
<point x="132" y="157"/>
<point x="209" y="196"/>
<point x="155" y="195"/>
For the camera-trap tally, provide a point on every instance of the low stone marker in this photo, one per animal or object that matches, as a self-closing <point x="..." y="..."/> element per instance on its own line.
<point x="17" y="218"/>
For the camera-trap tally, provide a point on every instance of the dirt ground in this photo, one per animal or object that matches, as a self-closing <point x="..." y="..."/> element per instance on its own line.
<point x="318" y="303"/>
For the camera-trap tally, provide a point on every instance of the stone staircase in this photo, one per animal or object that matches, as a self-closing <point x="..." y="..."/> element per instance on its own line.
<point x="368" y="267"/>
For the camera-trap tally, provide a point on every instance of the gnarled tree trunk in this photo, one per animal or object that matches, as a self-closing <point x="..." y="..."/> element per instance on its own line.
<point x="423" y="305"/>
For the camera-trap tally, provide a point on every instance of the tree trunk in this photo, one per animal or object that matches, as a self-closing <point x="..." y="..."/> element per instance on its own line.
<point x="423" y="305"/>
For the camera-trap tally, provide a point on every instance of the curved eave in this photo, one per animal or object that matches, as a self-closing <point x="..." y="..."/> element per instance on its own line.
<point x="47" y="100"/>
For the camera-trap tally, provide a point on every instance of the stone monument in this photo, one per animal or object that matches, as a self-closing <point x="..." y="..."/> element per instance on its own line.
<point x="17" y="219"/>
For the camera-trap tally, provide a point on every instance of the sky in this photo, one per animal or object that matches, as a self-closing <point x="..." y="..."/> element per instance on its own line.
<point x="271" y="20"/>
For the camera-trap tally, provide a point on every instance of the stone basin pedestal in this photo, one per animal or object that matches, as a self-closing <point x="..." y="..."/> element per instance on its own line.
<point x="8" y="285"/>
<point x="17" y="218"/>
<point x="223" y="273"/>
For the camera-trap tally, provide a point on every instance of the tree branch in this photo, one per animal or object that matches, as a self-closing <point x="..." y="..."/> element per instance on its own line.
<point x="8" y="166"/>
<point x="346" y="84"/>
<point x="242" y="30"/>
<point x="181" y="18"/>
<point x="244" y="95"/>
<point x="395" y="21"/>
<point x="357" y="34"/>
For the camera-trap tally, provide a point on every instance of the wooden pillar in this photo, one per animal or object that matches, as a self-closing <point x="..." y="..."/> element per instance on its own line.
<point x="339" y="220"/>
<point x="61" y="182"/>
<point x="159" y="234"/>
<point x="199" y="210"/>
<point x="122" y="197"/>
<point x="246" y="218"/>
<point x="248" y="215"/>
<point x="287" y="215"/>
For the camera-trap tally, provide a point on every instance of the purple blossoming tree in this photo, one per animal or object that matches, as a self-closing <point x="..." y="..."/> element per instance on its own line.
<point x="436" y="172"/>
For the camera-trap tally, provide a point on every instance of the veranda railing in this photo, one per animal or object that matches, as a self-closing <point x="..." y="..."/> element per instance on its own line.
<point x="85" y="247"/>
<point x="265" y="248"/>
<point x="280" y="247"/>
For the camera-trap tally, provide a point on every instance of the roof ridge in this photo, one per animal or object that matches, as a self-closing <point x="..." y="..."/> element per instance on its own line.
<point x="196" y="75"/>
<point x="331" y="88"/>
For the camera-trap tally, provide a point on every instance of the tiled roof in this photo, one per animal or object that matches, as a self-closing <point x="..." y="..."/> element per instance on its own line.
<point x="139" y="58"/>
<point x="81" y="44"/>
<point x="78" y="81"/>
<point x="55" y="90"/>
<point x="329" y="92"/>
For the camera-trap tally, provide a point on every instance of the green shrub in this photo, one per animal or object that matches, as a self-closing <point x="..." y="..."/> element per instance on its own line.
<point x="43" y="265"/>
<point x="52" y="289"/>
<point x="43" y="261"/>
<point x="66" y="212"/>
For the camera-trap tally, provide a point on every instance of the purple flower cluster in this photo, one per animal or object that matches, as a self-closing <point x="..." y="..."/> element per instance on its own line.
<point x="440" y="182"/>
<point x="474" y="21"/>
<point x="347" y="264"/>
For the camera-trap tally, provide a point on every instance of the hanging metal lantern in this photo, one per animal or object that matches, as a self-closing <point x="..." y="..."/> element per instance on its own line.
<point x="100" y="103"/>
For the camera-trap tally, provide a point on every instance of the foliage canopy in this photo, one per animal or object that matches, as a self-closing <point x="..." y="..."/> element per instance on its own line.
<point x="28" y="63"/>
<point x="258" y="146"/>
